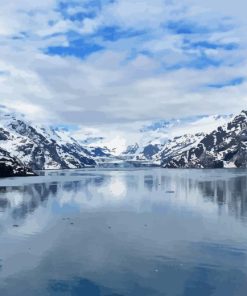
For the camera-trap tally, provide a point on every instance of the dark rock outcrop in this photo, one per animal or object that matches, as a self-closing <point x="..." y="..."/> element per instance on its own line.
<point x="224" y="147"/>
<point x="12" y="167"/>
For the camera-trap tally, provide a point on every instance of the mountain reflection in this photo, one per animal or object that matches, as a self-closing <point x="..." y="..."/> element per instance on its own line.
<point x="227" y="193"/>
<point x="230" y="194"/>
<point x="102" y="232"/>
<point x="22" y="201"/>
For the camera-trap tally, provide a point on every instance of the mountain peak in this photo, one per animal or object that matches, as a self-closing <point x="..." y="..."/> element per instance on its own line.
<point x="225" y="146"/>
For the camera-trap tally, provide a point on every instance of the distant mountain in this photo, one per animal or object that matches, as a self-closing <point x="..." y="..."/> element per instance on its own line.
<point x="202" y="122"/>
<point x="226" y="146"/>
<point x="91" y="140"/>
<point x="164" y="139"/>
<point x="12" y="167"/>
<point x="177" y="146"/>
<point x="166" y="125"/>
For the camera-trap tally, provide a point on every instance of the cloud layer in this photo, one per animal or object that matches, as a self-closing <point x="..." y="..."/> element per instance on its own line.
<point x="99" y="62"/>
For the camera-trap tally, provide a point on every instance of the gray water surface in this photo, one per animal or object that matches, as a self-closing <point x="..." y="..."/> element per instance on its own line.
<point x="124" y="233"/>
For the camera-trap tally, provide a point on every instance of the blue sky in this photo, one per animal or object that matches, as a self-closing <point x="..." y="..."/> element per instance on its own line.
<point x="94" y="63"/>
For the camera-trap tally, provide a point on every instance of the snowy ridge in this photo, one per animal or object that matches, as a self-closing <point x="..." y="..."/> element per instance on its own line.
<point x="12" y="167"/>
<point x="164" y="139"/>
<point x="226" y="146"/>
<point x="40" y="147"/>
<point x="178" y="145"/>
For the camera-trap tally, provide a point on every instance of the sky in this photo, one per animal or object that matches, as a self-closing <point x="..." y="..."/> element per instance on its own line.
<point x="113" y="62"/>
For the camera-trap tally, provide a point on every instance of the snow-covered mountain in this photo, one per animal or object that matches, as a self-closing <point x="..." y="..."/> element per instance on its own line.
<point x="163" y="139"/>
<point x="226" y="146"/>
<point x="177" y="146"/>
<point x="41" y="147"/>
<point x="202" y="141"/>
<point x="12" y="167"/>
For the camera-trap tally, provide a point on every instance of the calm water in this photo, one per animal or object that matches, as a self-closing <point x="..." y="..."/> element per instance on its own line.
<point x="120" y="233"/>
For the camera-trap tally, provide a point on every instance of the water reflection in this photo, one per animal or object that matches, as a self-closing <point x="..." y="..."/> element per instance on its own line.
<point x="144" y="232"/>
<point x="229" y="195"/>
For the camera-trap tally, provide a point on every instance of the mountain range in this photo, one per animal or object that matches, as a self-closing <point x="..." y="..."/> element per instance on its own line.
<point x="40" y="148"/>
<point x="197" y="142"/>
<point x="224" y="147"/>
<point x="162" y="139"/>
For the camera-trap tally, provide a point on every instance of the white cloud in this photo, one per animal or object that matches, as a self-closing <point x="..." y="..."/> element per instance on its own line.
<point x="235" y="9"/>
<point x="120" y="83"/>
